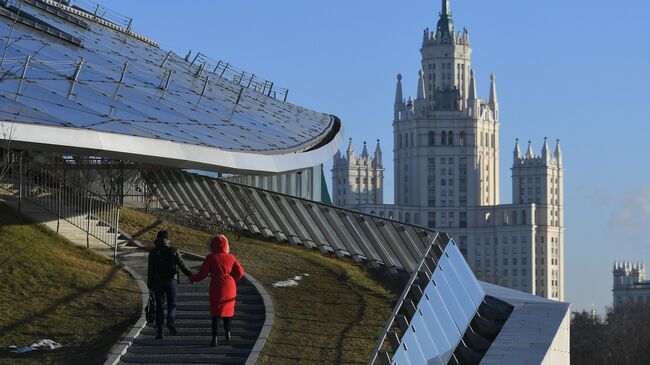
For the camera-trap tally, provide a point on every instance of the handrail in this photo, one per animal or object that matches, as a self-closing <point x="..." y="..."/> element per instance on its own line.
<point x="49" y="189"/>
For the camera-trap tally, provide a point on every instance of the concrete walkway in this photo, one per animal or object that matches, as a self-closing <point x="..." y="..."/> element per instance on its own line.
<point x="250" y="328"/>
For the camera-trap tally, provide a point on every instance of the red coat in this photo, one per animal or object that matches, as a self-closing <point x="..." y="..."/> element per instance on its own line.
<point x="224" y="269"/>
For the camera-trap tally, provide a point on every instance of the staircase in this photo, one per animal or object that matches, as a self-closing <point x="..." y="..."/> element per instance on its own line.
<point x="193" y="323"/>
<point x="250" y="326"/>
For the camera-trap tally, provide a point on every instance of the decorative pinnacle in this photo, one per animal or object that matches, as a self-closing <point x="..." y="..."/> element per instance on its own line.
<point x="399" y="77"/>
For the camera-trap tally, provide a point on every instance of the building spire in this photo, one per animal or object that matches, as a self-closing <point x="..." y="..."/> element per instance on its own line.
<point x="445" y="24"/>
<point x="472" y="85"/>
<point x="350" y="151"/>
<point x="446" y="8"/>
<point x="364" y="153"/>
<point x="529" y="153"/>
<point x="421" y="87"/>
<point x="399" y="99"/>
<point x="494" y="103"/>
<point x="546" y="155"/>
<point x="378" y="154"/>
<point x="517" y="152"/>
<point x="558" y="153"/>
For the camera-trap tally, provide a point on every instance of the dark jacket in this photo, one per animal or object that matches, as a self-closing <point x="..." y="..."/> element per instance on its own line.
<point x="164" y="261"/>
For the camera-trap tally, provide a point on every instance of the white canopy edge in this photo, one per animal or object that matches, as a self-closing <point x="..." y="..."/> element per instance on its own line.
<point x="69" y="140"/>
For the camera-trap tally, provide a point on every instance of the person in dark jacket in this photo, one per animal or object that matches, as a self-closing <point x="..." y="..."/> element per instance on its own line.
<point x="164" y="261"/>
<point x="224" y="270"/>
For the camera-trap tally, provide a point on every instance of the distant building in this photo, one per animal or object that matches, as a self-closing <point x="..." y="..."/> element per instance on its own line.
<point x="446" y="172"/>
<point x="358" y="180"/>
<point x="630" y="285"/>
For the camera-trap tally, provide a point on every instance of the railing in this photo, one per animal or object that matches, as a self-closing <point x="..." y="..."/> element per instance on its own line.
<point x="237" y="76"/>
<point x="100" y="11"/>
<point x="47" y="187"/>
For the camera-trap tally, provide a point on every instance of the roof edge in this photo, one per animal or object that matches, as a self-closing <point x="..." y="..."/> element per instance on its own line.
<point x="168" y="153"/>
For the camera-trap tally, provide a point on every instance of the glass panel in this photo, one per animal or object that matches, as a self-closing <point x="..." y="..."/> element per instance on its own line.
<point x="435" y="305"/>
<point x="451" y="302"/>
<point x="457" y="286"/>
<point x="432" y="342"/>
<point x="465" y="274"/>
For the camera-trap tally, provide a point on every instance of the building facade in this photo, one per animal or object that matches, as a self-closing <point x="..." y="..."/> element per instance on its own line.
<point x="630" y="284"/>
<point x="446" y="172"/>
<point x="358" y="180"/>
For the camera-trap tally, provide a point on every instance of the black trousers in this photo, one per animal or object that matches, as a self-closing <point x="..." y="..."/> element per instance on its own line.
<point x="215" y="324"/>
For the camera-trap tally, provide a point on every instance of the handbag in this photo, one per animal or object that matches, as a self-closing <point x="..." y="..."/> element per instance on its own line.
<point x="150" y="309"/>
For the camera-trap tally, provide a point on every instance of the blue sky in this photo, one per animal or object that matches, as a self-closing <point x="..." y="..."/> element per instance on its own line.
<point x="575" y="70"/>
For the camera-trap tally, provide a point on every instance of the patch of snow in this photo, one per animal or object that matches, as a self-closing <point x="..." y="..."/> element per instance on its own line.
<point x="47" y="343"/>
<point x="289" y="282"/>
<point x="42" y="343"/>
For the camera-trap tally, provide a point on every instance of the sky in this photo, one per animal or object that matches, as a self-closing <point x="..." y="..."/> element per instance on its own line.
<point x="574" y="70"/>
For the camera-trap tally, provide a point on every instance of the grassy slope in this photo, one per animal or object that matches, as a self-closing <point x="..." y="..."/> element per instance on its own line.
<point x="333" y="316"/>
<point x="50" y="288"/>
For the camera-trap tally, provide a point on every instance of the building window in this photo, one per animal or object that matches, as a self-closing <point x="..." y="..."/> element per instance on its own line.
<point x="443" y="138"/>
<point x="432" y="138"/>
<point x="461" y="138"/>
<point x="462" y="217"/>
<point x="450" y="138"/>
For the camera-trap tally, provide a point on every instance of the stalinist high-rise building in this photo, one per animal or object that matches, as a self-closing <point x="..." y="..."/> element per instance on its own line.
<point x="446" y="156"/>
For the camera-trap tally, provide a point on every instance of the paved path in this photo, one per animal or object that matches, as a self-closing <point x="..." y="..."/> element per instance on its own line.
<point x="190" y="346"/>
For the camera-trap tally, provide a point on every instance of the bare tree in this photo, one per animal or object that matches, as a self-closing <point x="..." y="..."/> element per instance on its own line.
<point x="8" y="159"/>
<point x="622" y="339"/>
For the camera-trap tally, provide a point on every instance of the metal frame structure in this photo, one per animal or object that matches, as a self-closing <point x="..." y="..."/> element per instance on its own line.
<point x="49" y="188"/>
<point x="379" y="241"/>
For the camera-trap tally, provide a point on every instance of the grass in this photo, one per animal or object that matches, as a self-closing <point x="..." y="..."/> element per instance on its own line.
<point x="50" y="288"/>
<point x="333" y="316"/>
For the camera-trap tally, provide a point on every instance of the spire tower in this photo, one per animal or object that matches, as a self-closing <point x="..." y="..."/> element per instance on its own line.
<point x="517" y="151"/>
<point x="445" y="24"/>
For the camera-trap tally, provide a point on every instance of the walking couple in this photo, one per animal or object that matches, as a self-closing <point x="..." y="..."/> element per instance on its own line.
<point x="220" y="265"/>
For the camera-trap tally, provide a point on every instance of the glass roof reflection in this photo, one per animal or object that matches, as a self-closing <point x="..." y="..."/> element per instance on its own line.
<point x="116" y="83"/>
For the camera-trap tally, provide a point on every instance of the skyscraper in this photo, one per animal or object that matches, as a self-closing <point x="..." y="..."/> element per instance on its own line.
<point x="446" y="171"/>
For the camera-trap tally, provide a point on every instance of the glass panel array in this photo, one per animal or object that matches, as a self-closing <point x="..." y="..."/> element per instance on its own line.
<point x="117" y="83"/>
<point x="344" y="232"/>
<point x="441" y="317"/>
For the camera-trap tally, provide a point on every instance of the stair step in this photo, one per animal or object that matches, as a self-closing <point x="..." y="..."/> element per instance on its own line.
<point x="236" y="332"/>
<point x="205" y="315"/>
<point x="200" y="341"/>
<point x="221" y="349"/>
<point x="198" y="297"/>
<point x="211" y="359"/>
<point x="202" y="306"/>
<point x="207" y="323"/>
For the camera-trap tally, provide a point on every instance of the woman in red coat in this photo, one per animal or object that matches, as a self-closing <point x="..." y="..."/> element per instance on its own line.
<point x="224" y="269"/>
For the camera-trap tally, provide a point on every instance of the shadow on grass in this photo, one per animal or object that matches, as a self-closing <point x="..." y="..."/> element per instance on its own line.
<point x="67" y="300"/>
<point x="91" y="351"/>
<point x="146" y="229"/>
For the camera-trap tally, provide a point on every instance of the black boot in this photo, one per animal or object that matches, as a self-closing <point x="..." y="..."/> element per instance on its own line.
<point x="172" y="329"/>
<point x="228" y="336"/>
<point x="213" y="343"/>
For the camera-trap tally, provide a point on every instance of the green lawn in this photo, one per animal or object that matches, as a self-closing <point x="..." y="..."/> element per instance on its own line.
<point x="333" y="316"/>
<point x="50" y="288"/>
